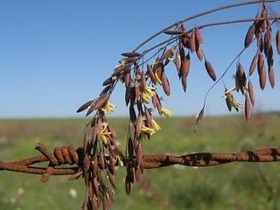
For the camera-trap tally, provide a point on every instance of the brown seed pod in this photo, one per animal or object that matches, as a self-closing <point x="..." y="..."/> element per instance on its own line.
<point x="127" y="185"/>
<point x="271" y="76"/>
<point x="198" y="36"/>
<point x="267" y="41"/>
<point x="156" y="103"/>
<point x="198" y="119"/>
<point x="199" y="53"/>
<point x="151" y="74"/>
<point x="127" y="79"/>
<point x="278" y="41"/>
<point x="254" y="63"/>
<point x="260" y="43"/>
<point x="178" y="61"/>
<point x="132" y="114"/>
<point x="184" y="83"/>
<point x="143" y="80"/>
<point x="210" y="70"/>
<point x="185" y="68"/>
<point x="165" y="84"/>
<point x="107" y="81"/>
<point x="85" y="106"/>
<point x="167" y="54"/>
<point x="262" y="77"/>
<point x="260" y="63"/>
<point x="111" y="178"/>
<point x="192" y="41"/>
<point x="249" y="35"/>
<point x="174" y="32"/>
<point x="131" y="54"/>
<point x="269" y="57"/>
<point x="101" y="160"/>
<point x="139" y="155"/>
<point x="138" y="124"/>
<point x="86" y="164"/>
<point x="247" y="107"/>
<point x="130" y="147"/>
<point x="251" y="93"/>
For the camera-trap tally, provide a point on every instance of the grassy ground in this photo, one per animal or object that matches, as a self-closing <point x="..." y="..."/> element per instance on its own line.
<point x="237" y="186"/>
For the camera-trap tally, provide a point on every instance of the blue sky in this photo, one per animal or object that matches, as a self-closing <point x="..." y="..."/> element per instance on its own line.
<point x="54" y="55"/>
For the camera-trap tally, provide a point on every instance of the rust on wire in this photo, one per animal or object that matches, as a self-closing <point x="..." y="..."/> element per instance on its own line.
<point x="74" y="160"/>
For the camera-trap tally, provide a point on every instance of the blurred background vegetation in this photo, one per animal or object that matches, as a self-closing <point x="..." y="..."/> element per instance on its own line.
<point x="232" y="186"/>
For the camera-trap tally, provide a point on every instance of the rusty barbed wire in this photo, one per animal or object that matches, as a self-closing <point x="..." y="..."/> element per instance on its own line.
<point x="76" y="157"/>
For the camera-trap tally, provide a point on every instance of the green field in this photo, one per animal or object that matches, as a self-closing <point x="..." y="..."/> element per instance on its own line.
<point x="237" y="186"/>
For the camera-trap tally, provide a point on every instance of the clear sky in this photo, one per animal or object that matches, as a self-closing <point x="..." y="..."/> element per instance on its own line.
<point x="54" y="55"/>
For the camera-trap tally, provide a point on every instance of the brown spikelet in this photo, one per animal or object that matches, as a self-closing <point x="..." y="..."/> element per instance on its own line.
<point x="260" y="43"/>
<point x="267" y="41"/>
<point x="132" y="114"/>
<point x="156" y="103"/>
<point x="199" y="53"/>
<point x="143" y="80"/>
<point x="210" y="70"/>
<point x="262" y="77"/>
<point x="131" y="54"/>
<point x="185" y="68"/>
<point x="127" y="79"/>
<point x="174" y="32"/>
<point x="107" y="81"/>
<point x="98" y="103"/>
<point x="167" y="54"/>
<point x="184" y="83"/>
<point x="198" y="35"/>
<point x="278" y="41"/>
<point x="271" y="76"/>
<point x="178" y="61"/>
<point x="151" y="74"/>
<point x="251" y="93"/>
<point x="127" y="185"/>
<point x="198" y="119"/>
<point x="247" y="108"/>
<point x="254" y="63"/>
<point x="240" y="78"/>
<point x="260" y="63"/>
<point x="84" y="106"/>
<point x="249" y="35"/>
<point x="165" y="84"/>
<point x="192" y="41"/>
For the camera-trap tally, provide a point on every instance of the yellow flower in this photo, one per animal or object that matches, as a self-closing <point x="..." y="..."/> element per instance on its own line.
<point x="148" y="130"/>
<point x="147" y="93"/>
<point x="166" y="112"/>
<point x="158" y="80"/>
<point x="108" y="108"/>
<point x="104" y="133"/>
<point x="155" y="125"/>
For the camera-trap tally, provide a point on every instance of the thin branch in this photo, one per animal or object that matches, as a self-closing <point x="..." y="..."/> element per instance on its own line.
<point x="200" y="15"/>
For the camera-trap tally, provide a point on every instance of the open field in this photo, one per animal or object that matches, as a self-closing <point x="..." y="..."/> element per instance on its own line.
<point x="237" y="186"/>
